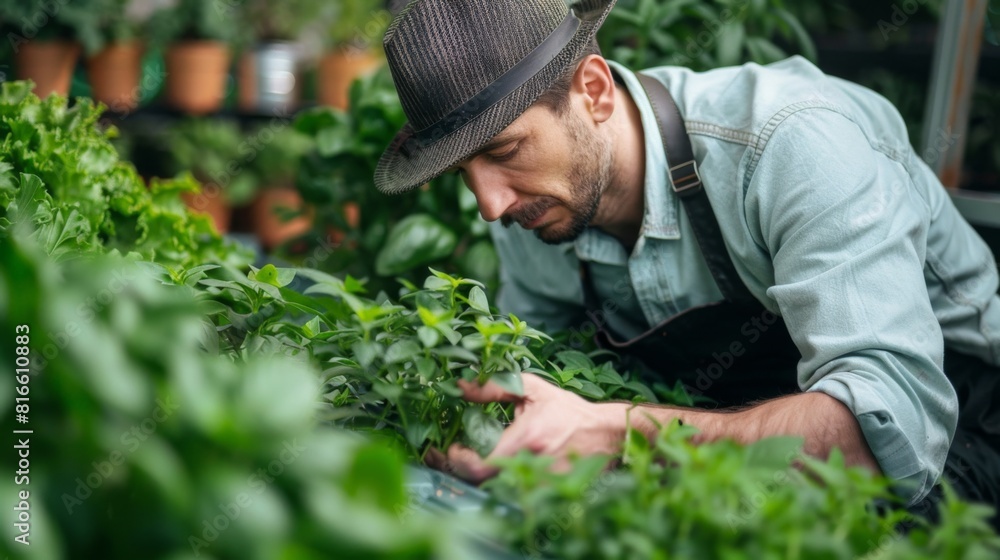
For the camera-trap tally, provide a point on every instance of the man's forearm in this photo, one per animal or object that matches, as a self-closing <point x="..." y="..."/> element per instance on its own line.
<point x="821" y="420"/>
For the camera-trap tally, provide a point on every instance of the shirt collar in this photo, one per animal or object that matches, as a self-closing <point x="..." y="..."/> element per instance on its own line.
<point x="659" y="219"/>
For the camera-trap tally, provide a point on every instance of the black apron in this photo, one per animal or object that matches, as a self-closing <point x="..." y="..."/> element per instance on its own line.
<point x="735" y="351"/>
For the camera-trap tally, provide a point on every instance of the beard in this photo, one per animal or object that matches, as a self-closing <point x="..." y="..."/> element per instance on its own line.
<point x="588" y="179"/>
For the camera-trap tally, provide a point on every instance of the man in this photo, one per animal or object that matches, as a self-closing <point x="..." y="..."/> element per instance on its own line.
<point x="797" y="260"/>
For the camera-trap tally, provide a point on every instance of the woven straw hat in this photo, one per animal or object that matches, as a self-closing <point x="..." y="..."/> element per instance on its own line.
<point x="466" y="69"/>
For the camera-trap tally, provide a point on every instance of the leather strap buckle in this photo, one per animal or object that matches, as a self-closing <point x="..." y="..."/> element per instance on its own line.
<point x="685" y="178"/>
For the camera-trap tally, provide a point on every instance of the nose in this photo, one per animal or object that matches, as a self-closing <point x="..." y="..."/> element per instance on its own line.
<point x="493" y="194"/>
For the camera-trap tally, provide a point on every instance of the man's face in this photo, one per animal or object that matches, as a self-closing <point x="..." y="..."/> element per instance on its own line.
<point x="546" y="171"/>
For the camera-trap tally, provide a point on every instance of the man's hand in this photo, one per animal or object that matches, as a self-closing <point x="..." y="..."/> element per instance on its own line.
<point x="552" y="421"/>
<point x="547" y="421"/>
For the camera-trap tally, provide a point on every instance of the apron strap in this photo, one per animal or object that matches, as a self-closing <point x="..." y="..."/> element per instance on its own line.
<point x="686" y="183"/>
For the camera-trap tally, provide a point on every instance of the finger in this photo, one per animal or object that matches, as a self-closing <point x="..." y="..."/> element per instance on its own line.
<point x="513" y="439"/>
<point x="490" y="392"/>
<point x="466" y="464"/>
<point x="435" y="459"/>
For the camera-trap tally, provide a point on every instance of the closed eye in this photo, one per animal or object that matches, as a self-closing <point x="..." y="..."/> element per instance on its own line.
<point x="505" y="156"/>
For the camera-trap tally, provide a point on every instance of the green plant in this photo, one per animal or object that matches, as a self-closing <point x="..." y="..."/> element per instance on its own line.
<point x="277" y="161"/>
<point x="701" y="35"/>
<point x="218" y="151"/>
<point x="393" y="367"/>
<point x="144" y="445"/>
<point x="26" y="20"/>
<point x="675" y="499"/>
<point x="214" y="151"/>
<point x="359" y="24"/>
<point x="59" y="172"/>
<point x="195" y="20"/>
<point x="98" y="23"/>
<point x="270" y="21"/>
<point x="397" y="236"/>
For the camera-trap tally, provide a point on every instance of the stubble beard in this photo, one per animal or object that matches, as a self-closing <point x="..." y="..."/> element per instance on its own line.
<point x="588" y="179"/>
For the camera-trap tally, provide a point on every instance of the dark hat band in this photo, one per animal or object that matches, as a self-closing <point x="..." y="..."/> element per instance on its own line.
<point x="514" y="78"/>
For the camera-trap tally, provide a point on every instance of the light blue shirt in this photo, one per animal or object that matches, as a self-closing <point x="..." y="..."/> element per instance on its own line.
<point x="833" y="223"/>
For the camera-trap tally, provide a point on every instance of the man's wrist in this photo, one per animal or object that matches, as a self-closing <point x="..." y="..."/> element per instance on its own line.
<point x="621" y="415"/>
<point x="648" y="419"/>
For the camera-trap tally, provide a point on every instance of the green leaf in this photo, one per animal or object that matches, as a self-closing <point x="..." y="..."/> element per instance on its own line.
<point x="730" y="45"/>
<point x="642" y="390"/>
<point x="763" y="51"/>
<point x="802" y="37"/>
<point x="402" y="351"/>
<point x="388" y="390"/>
<point x="575" y="360"/>
<point x="773" y="453"/>
<point x="333" y="140"/>
<point x="428" y="336"/>
<point x="271" y="275"/>
<point x="456" y="353"/>
<point x="482" y="431"/>
<point x="450" y="388"/>
<point x="366" y="352"/>
<point x="510" y="382"/>
<point x="435" y="283"/>
<point x="376" y="476"/>
<point x="353" y="285"/>
<point x="453" y="336"/>
<point x="416" y="240"/>
<point x="478" y="301"/>
<point x="591" y="390"/>
<point x="193" y="274"/>
<point x="426" y="367"/>
<point x="609" y="376"/>
<point x="312" y="327"/>
<point x="428" y="317"/>
<point x="416" y="433"/>
<point x="480" y="261"/>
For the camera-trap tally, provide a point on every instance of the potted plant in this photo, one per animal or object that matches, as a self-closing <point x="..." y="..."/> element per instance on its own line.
<point x="197" y="35"/>
<point x="268" y="71"/>
<point x="278" y="212"/>
<point x="210" y="150"/>
<point x="109" y="32"/>
<point x="44" y="45"/>
<point x="354" y="34"/>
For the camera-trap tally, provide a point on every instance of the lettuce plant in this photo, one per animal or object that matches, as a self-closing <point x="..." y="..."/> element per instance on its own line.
<point x="60" y="172"/>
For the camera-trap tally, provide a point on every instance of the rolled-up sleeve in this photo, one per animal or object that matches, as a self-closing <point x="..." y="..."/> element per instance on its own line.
<point x="846" y="233"/>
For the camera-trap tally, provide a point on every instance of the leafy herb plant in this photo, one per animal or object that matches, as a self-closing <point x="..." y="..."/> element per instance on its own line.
<point x="59" y="172"/>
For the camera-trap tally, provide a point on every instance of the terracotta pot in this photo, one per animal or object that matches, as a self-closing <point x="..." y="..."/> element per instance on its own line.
<point x="270" y="229"/>
<point x="212" y="202"/>
<point x="114" y="75"/>
<point x="49" y="64"/>
<point x="338" y="69"/>
<point x="196" y="75"/>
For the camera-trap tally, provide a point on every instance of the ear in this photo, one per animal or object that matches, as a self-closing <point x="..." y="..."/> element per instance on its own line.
<point x="595" y="86"/>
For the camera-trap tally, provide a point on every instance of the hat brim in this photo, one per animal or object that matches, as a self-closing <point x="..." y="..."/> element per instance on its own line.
<point x="398" y="173"/>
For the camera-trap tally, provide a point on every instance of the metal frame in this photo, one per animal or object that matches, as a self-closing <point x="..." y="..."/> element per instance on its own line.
<point x="953" y="75"/>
